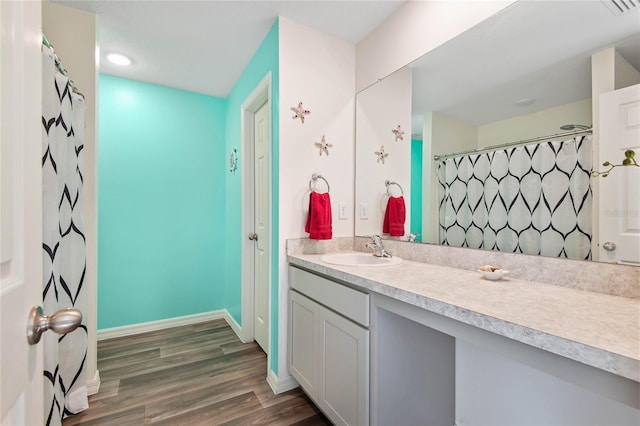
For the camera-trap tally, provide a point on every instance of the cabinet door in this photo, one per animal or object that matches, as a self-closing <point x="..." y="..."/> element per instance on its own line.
<point x="344" y="369"/>
<point x="303" y="343"/>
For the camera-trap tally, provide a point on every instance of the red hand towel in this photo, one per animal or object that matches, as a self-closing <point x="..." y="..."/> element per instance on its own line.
<point x="319" y="217"/>
<point x="394" y="217"/>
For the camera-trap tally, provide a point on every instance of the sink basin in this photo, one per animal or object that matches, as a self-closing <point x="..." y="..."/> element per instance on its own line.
<point x="359" y="259"/>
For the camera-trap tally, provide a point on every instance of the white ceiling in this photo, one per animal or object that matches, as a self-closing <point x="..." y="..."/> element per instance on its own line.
<point x="531" y="49"/>
<point x="203" y="46"/>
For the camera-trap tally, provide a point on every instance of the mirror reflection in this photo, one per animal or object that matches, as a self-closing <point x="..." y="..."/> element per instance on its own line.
<point x="507" y="109"/>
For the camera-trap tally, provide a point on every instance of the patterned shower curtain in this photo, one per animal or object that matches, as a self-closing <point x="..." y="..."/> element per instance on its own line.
<point x="64" y="261"/>
<point x="533" y="199"/>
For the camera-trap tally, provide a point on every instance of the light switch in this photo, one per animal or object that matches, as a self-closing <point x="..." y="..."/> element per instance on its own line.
<point x="364" y="211"/>
<point x="342" y="211"/>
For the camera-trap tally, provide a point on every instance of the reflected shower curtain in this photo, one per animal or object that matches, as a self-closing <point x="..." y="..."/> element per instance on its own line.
<point x="64" y="261"/>
<point x="532" y="199"/>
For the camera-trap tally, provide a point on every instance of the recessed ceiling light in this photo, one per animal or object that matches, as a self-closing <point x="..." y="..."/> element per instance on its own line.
<point x="116" y="58"/>
<point x="525" y="101"/>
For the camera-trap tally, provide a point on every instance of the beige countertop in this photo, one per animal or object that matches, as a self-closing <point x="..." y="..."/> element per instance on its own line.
<point x="599" y="330"/>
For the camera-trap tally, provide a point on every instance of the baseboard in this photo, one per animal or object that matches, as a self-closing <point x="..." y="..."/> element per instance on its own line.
<point x="129" y="330"/>
<point x="234" y="325"/>
<point x="281" y="384"/>
<point x="93" y="385"/>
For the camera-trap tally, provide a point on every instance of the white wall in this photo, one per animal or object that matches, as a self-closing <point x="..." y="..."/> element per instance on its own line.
<point x="625" y="74"/>
<point x="452" y="135"/>
<point x="318" y="70"/>
<point x="379" y="110"/>
<point x="74" y="36"/>
<point x="541" y="123"/>
<point x="413" y="30"/>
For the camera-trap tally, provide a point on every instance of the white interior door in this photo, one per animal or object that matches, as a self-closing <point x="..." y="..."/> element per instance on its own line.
<point x="620" y="191"/>
<point x="21" y="374"/>
<point x="262" y="225"/>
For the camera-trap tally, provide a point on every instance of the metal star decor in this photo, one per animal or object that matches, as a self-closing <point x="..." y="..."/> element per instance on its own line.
<point x="324" y="146"/>
<point x="398" y="132"/>
<point x="300" y="112"/>
<point x="381" y="154"/>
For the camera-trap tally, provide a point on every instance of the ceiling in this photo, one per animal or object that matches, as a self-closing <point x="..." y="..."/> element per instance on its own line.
<point x="203" y="46"/>
<point x="531" y="49"/>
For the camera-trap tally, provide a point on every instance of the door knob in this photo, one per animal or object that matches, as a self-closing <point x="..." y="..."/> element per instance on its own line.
<point x="64" y="321"/>
<point x="609" y="246"/>
<point x="253" y="236"/>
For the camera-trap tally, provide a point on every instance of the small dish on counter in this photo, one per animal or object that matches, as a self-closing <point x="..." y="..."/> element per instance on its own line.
<point x="492" y="273"/>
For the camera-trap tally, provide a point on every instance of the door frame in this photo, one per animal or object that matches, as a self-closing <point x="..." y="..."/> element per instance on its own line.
<point x="258" y="97"/>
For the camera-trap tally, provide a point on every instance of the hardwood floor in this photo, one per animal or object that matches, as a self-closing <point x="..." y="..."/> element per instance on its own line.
<point x="192" y="375"/>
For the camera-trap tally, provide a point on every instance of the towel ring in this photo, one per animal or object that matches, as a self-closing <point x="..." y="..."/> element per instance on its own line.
<point x="314" y="178"/>
<point x="388" y="183"/>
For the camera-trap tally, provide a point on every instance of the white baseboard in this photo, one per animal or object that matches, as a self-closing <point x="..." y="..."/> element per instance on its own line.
<point x="93" y="385"/>
<point x="129" y="330"/>
<point x="281" y="384"/>
<point x="234" y="326"/>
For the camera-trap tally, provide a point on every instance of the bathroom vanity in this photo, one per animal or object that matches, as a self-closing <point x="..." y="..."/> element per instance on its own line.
<point x="418" y="343"/>
<point x="329" y="350"/>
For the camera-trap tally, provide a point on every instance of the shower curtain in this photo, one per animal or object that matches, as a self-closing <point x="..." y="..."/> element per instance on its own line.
<point x="532" y="199"/>
<point x="64" y="261"/>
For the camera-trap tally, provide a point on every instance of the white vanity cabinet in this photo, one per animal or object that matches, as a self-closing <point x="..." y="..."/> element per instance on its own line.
<point x="446" y="347"/>
<point x="329" y="345"/>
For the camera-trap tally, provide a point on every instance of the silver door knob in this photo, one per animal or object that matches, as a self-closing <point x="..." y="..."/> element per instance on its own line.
<point x="609" y="246"/>
<point x="62" y="322"/>
<point x="253" y="236"/>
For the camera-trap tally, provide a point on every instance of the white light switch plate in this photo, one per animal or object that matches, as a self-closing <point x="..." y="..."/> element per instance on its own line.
<point x="342" y="210"/>
<point x="364" y="211"/>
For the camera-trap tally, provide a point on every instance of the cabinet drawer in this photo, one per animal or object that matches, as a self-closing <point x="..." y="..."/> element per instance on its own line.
<point x="351" y="303"/>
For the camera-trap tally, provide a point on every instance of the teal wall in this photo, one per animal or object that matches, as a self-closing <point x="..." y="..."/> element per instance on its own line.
<point x="416" y="188"/>
<point x="265" y="60"/>
<point x="161" y="192"/>
<point x="170" y="213"/>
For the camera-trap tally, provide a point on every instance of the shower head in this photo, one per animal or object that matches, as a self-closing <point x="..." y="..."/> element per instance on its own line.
<point x="574" y="127"/>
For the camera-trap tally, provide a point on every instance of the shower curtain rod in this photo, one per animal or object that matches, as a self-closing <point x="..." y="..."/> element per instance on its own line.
<point x="58" y="63"/>
<point x="504" y="145"/>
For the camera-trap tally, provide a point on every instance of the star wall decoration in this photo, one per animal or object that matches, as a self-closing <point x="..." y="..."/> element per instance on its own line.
<point x="324" y="146"/>
<point x="398" y="132"/>
<point x="381" y="154"/>
<point x="300" y="112"/>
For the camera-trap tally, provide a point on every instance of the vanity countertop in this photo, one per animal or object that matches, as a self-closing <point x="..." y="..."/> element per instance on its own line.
<point x="599" y="330"/>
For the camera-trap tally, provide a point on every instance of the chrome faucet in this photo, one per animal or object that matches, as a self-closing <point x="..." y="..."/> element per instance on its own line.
<point x="412" y="237"/>
<point x="377" y="247"/>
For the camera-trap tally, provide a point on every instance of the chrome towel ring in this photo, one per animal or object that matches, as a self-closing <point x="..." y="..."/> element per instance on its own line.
<point x="314" y="178"/>
<point x="388" y="183"/>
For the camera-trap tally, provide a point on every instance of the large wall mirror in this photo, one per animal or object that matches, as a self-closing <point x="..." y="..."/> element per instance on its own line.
<point x="498" y="116"/>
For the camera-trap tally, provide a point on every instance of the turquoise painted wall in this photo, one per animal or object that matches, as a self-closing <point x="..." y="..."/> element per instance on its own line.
<point x="265" y="60"/>
<point x="416" y="188"/>
<point x="161" y="192"/>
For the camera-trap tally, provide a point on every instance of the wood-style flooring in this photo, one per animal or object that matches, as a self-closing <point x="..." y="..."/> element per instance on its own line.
<point x="192" y="375"/>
